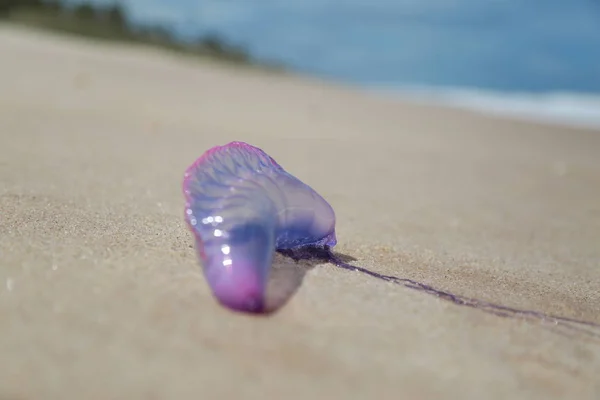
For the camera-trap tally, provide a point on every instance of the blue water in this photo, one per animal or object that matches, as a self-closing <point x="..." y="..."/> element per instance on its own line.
<point x="499" y="46"/>
<point x="507" y="45"/>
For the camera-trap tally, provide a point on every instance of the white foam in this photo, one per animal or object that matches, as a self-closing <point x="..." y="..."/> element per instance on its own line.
<point x="571" y="109"/>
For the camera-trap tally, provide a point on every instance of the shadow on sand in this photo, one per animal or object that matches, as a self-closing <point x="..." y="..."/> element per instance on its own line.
<point x="287" y="275"/>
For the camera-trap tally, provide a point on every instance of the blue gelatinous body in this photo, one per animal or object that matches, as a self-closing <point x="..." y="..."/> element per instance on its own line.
<point x="242" y="206"/>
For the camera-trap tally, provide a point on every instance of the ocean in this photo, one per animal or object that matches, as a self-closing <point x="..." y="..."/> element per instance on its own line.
<point x="536" y="59"/>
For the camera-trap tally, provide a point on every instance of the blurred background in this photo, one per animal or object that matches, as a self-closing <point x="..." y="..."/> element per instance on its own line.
<point x="534" y="58"/>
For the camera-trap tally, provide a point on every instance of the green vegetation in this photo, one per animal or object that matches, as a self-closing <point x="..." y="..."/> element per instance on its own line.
<point x="111" y="22"/>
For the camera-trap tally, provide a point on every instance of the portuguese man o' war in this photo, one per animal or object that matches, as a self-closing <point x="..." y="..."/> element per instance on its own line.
<point x="242" y="207"/>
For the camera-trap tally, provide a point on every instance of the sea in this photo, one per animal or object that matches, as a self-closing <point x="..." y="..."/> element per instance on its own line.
<point x="531" y="59"/>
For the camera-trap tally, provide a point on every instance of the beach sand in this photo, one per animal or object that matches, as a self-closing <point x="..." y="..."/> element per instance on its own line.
<point x="102" y="296"/>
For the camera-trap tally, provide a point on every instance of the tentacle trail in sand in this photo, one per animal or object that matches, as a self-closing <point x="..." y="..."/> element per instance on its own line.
<point x="325" y="254"/>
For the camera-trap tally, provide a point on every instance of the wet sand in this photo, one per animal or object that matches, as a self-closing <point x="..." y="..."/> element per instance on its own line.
<point x="102" y="297"/>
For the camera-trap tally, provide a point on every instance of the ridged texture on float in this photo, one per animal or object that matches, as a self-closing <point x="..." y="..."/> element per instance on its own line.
<point x="242" y="206"/>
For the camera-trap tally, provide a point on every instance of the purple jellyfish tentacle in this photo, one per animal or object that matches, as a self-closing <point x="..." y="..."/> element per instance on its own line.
<point x="492" y="308"/>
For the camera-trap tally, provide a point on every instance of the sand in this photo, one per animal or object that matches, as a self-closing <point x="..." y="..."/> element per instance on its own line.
<point x="102" y="297"/>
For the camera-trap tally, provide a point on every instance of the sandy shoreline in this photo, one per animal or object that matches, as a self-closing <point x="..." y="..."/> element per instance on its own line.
<point x="100" y="289"/>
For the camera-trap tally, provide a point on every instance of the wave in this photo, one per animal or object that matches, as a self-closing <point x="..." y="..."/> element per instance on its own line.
<point x="563" y="108"/>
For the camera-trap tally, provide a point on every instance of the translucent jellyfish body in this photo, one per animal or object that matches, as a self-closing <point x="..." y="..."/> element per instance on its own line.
<point x="242" y="206"/>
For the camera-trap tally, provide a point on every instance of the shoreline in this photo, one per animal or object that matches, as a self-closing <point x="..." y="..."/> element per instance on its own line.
<point x="576" y="110"/>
